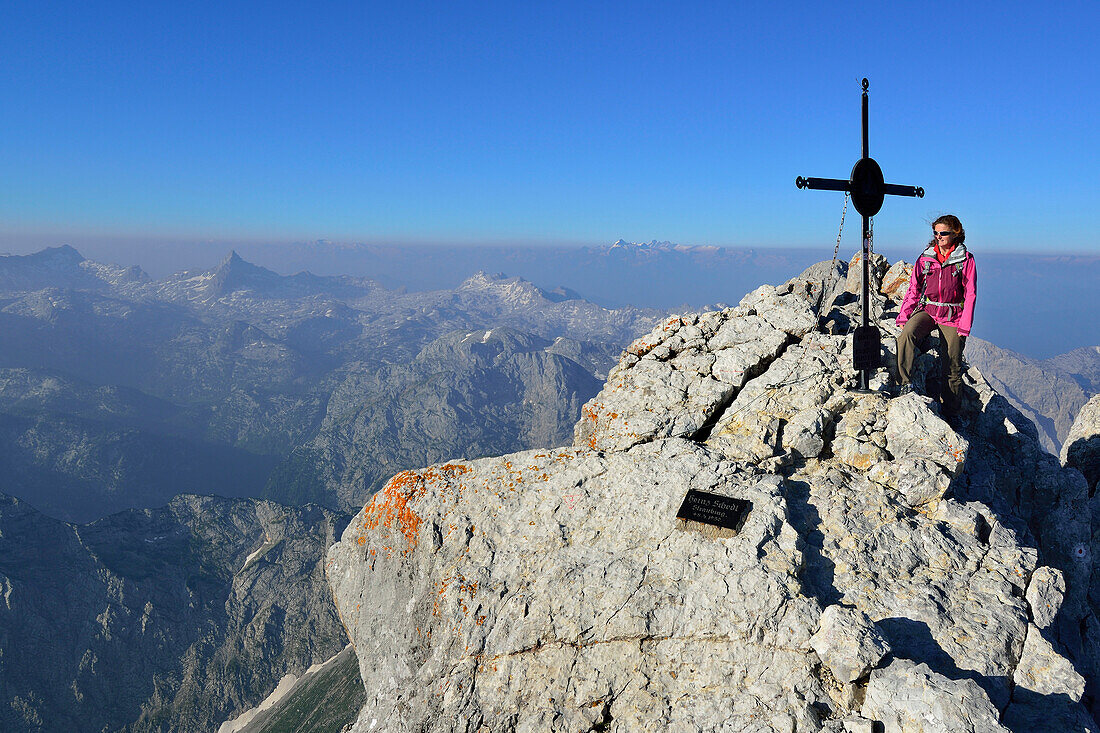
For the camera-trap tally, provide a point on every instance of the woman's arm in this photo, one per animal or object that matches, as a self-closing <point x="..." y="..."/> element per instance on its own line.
<point x="970" y="294"/>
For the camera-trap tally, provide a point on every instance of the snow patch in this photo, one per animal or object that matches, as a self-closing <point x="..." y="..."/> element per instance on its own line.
<point x="285" y="685"/>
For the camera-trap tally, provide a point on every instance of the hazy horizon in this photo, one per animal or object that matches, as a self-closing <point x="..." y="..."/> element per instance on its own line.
<point x="1038" y="305"/>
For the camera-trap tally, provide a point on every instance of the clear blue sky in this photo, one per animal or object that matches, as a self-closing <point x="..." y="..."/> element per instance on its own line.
<point x="544" y="122"/>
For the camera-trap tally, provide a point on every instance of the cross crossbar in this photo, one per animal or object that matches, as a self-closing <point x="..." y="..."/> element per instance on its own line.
<point x="839" y="184"/>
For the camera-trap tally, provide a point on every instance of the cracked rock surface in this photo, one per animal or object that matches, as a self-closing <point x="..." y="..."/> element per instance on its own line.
<point x="893" y="569"/>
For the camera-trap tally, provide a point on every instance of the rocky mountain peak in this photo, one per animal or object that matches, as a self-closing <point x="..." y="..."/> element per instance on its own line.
<point x="890" y="567"/>
<point x="236" y="273"/>
<point x="65" y="254"/>
<point x="61" y="267"/>
<point x="514" y="291"/>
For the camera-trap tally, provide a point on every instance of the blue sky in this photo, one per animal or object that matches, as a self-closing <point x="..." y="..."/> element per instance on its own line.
<point x="544" y="122"/>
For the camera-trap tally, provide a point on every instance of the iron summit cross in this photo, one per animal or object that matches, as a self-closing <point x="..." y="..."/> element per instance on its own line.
<point x="868" y="189"/>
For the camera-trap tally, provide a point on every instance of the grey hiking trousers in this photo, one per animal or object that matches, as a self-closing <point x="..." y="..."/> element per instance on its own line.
<point x="916" y="328"/>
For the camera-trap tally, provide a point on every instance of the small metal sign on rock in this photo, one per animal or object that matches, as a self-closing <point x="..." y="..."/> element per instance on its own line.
<point x="712" y="514"/>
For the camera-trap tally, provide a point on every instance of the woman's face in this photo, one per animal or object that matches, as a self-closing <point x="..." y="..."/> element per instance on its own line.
<point x="943" y="235"/>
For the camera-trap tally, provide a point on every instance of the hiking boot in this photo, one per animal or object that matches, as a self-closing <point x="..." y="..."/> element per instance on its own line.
<point x="903" y="389"/>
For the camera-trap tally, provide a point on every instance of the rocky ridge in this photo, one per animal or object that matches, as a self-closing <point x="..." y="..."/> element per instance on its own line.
<point x="894" y="568"/>
<point x="63" y="267"/>
<point x="169" y="619"/>
<point x="1048" y="394"/>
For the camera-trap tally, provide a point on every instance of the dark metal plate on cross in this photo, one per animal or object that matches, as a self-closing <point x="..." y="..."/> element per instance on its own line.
<point x="866" y="348"/>
<point x="868" y="189"/>
<point x="866" y="186"/>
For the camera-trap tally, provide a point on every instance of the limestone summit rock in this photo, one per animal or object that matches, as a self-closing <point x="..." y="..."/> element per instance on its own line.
<point x="894" y="569"/>
<point x="1082" y="447"/>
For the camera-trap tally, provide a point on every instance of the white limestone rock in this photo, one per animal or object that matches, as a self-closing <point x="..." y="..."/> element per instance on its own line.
<point x="748" y="436"/>
<point x="791" y="312"/>
<point x="918" y="481"/>
<point x="1081" y="449"/>
<point x="917" y="432"/>
<point x="860" y="455"/>
<point x="850" y="724"/>
<point x="1045" y="594"/>
<point x="797" y="386"/>
<point x="804" y="433"/>
<point x="878" y="266"/>
<point x="1044" y="671"/>
<point x="895" y="282"/>
<point x="556" y="591"/>
<point x="910" y="698"/>
<point x="848" y="643"/>
<point x="670" y="382"/>
<point x="544" y="587"/>
<point x="823" y="281"/>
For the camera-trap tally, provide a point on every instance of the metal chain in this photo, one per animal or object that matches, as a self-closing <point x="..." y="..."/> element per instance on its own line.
<point x="876" y="302"/>
<point x="843" y="213"/>
<point x="827" y="284"/>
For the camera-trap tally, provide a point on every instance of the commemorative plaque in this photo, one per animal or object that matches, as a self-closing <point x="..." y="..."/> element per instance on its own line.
<point x="713" y="514"/>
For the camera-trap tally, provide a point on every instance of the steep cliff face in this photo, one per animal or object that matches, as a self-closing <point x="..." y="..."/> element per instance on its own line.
<point x="892" y="568"/>
<point x="1050" y="396"/>
<point x="1082" y="446"/>
<point x="170" y="619"/>
<point x="480" y="392"/>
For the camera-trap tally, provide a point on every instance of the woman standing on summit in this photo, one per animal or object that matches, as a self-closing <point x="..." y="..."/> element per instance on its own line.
<point x="941" y="295"/>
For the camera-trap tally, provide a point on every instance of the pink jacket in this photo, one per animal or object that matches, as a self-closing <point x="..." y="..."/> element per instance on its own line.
<point x="946" y="292"/>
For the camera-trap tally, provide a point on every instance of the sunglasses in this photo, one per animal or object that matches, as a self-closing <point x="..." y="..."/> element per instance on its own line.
<point x="942" y="234"/>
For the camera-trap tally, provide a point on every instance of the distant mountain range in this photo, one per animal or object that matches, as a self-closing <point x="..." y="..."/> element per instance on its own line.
<point x="1034" y="304"/>
<point x="119" y="391"/>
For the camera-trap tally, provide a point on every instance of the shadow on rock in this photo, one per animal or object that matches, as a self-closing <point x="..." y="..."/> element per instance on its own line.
<point x="818" y="570"/>
<point x="1033" y="712"/>
<point x="1084" y="455"/>
<point x="912" y="639"/>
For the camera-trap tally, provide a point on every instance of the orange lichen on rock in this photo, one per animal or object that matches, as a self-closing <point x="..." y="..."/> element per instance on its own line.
<point x="590" y="414"/>
<point x="390" y="507"/>
<point x="446" y="471"/>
